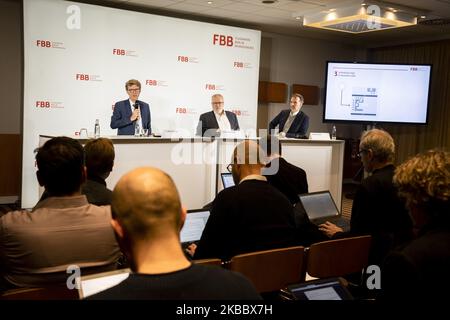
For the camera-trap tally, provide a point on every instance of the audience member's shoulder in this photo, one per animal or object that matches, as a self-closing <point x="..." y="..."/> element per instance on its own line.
<point x="16" y="217"/>
<point x="101" y="211"/>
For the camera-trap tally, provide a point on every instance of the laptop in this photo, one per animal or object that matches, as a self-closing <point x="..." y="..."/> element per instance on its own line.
<point x="94" y="283"/>
<point x="193" y="226"/>
<point x="227" y="180"/>
<point x="323" y="289"/>
<point x="320" y="207"/>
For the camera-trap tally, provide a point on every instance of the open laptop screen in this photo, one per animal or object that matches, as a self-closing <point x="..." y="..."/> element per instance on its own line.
<point x="227" y="180"/>
<point x="193" y="226"/>
<point x="324" y="289"/>
<point x="319" y="205"/>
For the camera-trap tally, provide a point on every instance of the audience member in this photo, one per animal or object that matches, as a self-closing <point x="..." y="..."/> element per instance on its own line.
<point x="63" y="229"/>
<point x="421" y="269"/>
<point x="250" y="216"/>
<point x="377" y="209"/>
<point x="147" y="219"/>
<point x="99" y="155"/>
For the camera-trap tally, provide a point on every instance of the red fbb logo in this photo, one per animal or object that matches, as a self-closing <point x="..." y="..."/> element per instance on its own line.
<point x="223" y="40"/>
<point x="84" y="77"/>
<point x="238" y="64"/>
<point x="236" y="112"/>
<point x="210" y="86"/>
<point x="151" y="82"/>
<point x="180" y="110"/>
<point x="43" y="43"/>
<point x="183" y="58"/>
<point x="119" y="52"/>
<point x="43" y="104"/>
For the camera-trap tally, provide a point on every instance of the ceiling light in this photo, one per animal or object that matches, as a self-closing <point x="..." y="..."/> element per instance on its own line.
<point x="354" y="19"/>
<point x="298" y="18"/>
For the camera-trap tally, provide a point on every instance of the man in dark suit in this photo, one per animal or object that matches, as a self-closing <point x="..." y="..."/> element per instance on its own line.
<point x="211" y="123"/>
<point x="131" y="113"/>
<point x="377" y="209"/>
<point x="292" y="123"/>
<point x="250" y="216"/>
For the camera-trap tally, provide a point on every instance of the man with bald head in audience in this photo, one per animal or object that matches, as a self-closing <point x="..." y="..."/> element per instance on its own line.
<point x="147" y="219"/>
<point x="250" y="216"/>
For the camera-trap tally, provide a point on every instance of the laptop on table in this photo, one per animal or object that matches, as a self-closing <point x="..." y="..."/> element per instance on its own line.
<point x="193" y="226"/>
<point x="323" y="289"/>
<point x="320" y="207"/>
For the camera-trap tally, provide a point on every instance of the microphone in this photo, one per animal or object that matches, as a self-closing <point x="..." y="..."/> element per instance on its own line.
<point x="136" y="106"/>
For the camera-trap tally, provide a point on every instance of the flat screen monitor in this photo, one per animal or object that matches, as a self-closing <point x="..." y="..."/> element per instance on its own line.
<point x="376" y="93"/>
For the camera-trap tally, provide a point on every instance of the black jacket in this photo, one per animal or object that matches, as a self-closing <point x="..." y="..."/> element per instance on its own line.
<point x="298" y="128"/>
<point x="208" y="121"/>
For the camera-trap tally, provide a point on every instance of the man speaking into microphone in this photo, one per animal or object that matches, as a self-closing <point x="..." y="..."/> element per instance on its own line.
<point x="131" y="113"/>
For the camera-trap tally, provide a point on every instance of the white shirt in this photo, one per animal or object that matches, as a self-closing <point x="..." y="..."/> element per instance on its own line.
<point x="222" y="120"/>
<point x="253" y="177"/>
<point x="139" y="121"/>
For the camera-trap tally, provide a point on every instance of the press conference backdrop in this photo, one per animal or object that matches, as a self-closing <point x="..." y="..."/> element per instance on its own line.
<point x="79" y="56"/>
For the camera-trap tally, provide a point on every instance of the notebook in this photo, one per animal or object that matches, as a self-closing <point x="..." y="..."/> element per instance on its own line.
<point x="323" y="289"/>
<point x="193" y="226"/>
<point x="227" y="180"/>
<point x="320" y="207"/>
<point x="94" y="283"/>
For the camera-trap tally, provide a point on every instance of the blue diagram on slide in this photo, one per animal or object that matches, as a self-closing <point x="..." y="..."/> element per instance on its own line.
<point x="364" y="101"/>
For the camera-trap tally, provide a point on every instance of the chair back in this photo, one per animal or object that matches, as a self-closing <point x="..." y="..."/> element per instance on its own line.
<point x="42" y="293"/>
<point x="212" y="261"/>
<point x="339" y="257"/>
<point x="270" y="270"/>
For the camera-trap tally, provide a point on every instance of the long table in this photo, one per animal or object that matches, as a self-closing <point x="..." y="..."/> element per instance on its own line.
<point x="195" y="163"/>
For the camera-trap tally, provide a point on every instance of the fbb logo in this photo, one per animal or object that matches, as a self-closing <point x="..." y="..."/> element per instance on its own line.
<point x="238" y="64"/>
<point x="237" y="112"/>
<point x="119" y="52"/>
<point x="210" y="86"/>
<point x="43" y="43"/>
<point x="181" y="110"/>
<point x="42" y="104"/>
<point x="183" y="58"/>
<point x="82" y="77"/>
<point x="151" y="82"/>
<point x="222" y="40"/>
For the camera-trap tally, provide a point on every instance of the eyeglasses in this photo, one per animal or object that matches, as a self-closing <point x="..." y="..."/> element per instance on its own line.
<point x="360" y="152"/>
<point x="230" y="167"/>
<point x="220" y="102"/>
<point x="134" y="90"/>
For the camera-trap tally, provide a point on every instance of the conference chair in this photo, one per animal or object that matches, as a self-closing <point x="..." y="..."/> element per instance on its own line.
<point x="212" y="262"/>
<point x="41" y="293"/>
<point x="270" y="270"/>
<point x="335" y="258"/>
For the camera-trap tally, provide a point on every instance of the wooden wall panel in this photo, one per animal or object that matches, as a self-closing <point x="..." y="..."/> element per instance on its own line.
<point x="272" y="92"/>
<point x="10" y="164"/>
<point x="309" y="93"/>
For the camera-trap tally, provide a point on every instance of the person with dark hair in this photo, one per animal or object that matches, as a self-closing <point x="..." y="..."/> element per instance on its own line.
<point x="377" y="209"/>
<point x="286" y="177"/>
<point x="99" y="154"/>
<point x="292" y="123"/>
<point x="147" y="219"/>
<point x="420" y="270"/>
<point x="63" y="229"/>
<point x="250" y="216"/>
<point x="131" y="113"/>
<point x="213" y="122"/>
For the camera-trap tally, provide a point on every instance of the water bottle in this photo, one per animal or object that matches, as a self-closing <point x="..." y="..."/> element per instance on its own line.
<point x="333" y="133"/>
<point x="137" y="130"/>
<point x="97" y="129"/>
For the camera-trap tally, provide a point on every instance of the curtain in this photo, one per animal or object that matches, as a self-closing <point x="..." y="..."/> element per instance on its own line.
<point x="413" y="139"/>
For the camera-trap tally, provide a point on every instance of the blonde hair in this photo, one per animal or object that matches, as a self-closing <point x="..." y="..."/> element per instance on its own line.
<point x="132" y="82"/>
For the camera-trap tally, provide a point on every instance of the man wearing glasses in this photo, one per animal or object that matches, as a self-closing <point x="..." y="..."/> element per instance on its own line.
<point x="213" y="122"/>
<point x="131" y="115"/>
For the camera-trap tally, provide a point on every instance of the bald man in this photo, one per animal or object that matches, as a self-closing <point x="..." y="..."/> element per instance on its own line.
<point x="250" y="216"/>
<point x="147" y="218"/>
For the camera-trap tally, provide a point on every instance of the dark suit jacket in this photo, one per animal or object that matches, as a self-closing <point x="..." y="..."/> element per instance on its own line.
<point x="289" y="179"/>
<point x="96" y="191"/>
<point x="298" y="128"/>
<point x="208" y="121"/>
<point x="377" y="210"/>
<point x="122" y="114"/>
<point x="248" y="217"/>
<point x="420" y="270"/>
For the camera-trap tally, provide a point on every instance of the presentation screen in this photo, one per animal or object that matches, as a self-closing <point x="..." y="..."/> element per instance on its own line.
<point x="372" y="93"/>
<point x="77" y="58"/>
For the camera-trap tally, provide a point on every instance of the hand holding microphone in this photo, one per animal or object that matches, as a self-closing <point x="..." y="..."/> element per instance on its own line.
<point x="136" y="113"/>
